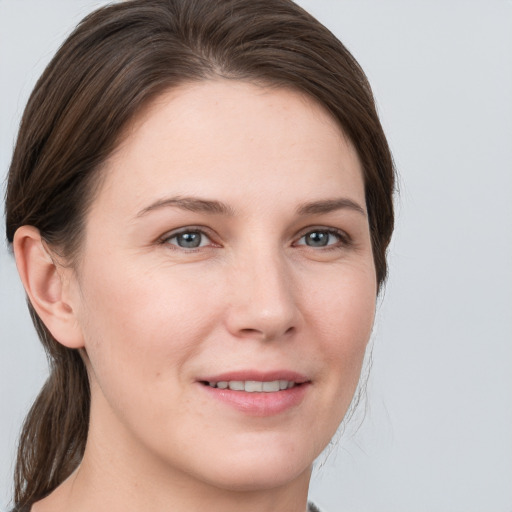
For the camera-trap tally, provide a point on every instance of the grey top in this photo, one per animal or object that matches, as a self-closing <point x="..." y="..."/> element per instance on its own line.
<point x="311" y="508"/>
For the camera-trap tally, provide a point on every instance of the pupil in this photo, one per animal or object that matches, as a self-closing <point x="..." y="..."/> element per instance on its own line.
<point x="189" y="240"/>
<point x="317" y="239"/>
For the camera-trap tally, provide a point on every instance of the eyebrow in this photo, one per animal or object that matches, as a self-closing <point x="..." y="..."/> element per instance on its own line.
<point x="330" y="205"/>
<point x="192" y="204"/>
<point x="195" y="204"/>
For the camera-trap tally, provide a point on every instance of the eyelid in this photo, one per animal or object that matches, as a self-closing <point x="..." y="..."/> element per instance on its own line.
<point x="344" y="238"/>
<point x="164" y="239"/>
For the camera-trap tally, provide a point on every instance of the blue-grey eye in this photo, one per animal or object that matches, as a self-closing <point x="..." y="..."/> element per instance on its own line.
<point x="189" y="239"/>
<point x="319" y="238"/>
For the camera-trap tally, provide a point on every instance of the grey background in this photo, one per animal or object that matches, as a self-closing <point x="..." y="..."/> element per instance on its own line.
<point x="437" y="433"/>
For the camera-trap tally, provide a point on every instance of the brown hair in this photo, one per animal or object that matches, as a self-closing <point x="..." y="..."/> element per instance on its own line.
<point x="117" y="60"/>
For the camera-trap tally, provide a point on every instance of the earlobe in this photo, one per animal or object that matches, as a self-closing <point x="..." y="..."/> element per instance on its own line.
<point x="46" y="286"/>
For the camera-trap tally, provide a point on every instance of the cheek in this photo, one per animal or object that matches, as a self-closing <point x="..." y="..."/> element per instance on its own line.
<point x="140" y="328"/>
<point x="342" y="312"/>
<point x="342" y="306"/>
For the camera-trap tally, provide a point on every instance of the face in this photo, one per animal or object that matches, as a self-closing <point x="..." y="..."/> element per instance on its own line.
<point x="226" y="289"/>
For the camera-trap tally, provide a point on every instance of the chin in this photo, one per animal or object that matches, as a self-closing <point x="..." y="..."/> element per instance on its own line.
<point x="261" y="467"/>
<point x="258" y="477"/>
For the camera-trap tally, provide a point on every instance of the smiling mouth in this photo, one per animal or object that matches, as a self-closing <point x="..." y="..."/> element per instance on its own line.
<point x="253" y="386"/>
<point x="258" y="395"/>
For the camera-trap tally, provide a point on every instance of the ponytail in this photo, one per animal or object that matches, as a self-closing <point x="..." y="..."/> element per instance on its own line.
<point x="54" y="433"/>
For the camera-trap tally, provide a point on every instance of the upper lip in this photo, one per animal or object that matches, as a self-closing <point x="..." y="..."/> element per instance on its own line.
<point x="267" y="376"/>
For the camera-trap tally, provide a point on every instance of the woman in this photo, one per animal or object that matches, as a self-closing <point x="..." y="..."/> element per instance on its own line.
<point x="199" y="202"/>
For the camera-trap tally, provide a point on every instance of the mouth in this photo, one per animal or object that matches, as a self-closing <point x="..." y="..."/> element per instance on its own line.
<point x="258" y="393"/>
<point x="253" y="386"/>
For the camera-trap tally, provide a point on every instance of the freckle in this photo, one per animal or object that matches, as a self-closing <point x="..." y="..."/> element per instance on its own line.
<point x="158" y="374"/>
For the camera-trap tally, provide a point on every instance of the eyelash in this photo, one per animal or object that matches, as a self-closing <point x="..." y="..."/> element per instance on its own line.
<point x="165" y="240"/>
<point x="344" y="239"/>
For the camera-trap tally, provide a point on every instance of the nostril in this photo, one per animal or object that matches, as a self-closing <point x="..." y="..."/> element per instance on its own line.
<point x="250" y="331"/>
<point x="266" y="333"/>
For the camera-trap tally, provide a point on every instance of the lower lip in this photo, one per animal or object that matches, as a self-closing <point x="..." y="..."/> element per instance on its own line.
<point x="260" y="404"/>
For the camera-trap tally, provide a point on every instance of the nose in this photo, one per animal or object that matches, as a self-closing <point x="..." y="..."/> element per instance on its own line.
<point x="263" y="299"/>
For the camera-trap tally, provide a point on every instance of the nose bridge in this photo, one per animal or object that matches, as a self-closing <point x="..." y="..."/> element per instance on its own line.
<point x="264" y="299"/>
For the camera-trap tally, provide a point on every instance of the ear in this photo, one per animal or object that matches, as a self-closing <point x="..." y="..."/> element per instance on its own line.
<point x="47" y="284"/>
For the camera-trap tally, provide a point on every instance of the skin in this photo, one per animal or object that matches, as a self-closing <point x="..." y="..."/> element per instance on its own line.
<point x="152" y="317"/>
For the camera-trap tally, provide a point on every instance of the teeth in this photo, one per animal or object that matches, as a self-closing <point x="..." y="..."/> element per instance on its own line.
<point x="270" y="387"/>
<point x="254" y="386"/>
<point x="236" y="385"/>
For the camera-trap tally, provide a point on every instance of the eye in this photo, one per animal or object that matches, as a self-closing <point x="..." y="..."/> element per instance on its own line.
<point x="322" y="238"/>
<point x="189" y="239"/>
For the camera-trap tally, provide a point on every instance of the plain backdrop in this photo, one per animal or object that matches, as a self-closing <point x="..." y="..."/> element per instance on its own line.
<point x="437" y="433"/>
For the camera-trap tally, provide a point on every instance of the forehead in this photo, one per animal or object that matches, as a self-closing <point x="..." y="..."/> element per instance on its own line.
<point x="223" y="136"/>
